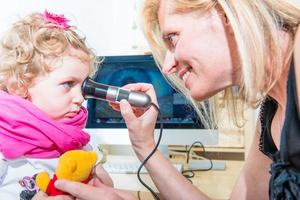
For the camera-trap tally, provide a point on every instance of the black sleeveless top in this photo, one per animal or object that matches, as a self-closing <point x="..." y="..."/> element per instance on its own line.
<point x="285" y="169"/>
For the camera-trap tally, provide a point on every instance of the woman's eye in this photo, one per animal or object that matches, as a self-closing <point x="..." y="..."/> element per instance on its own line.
<point x="172" y="39"/>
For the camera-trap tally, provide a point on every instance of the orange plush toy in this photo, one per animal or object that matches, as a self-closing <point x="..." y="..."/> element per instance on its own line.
<point x="75" y="165"/>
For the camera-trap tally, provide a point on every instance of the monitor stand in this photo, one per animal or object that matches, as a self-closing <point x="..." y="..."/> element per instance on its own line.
<point x="164" y="149"/>
<point x="119" y="137"/>
<point x="128" y="151"/>
<point x="117" y="141"/>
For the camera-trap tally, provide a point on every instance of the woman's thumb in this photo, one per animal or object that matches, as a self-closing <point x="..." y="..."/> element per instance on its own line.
<point x="95" y="182"/>
<point x="126" y="111"/>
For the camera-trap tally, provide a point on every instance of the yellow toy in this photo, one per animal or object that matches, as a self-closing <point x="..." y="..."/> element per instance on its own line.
<point x="75" y="165"/>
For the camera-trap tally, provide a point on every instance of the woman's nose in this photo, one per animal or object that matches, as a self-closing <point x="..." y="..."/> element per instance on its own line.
<point x="170" y="63"/>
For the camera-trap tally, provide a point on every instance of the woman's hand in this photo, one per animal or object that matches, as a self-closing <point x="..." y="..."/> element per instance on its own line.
<point x="94" y="190"/>
<point x="103" y="176"/>
<point x="140" y="122"/>
<point x="43" y="196"/>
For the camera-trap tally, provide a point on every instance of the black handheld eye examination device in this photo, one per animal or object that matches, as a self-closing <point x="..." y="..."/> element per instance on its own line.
<point x="92" y="89"/>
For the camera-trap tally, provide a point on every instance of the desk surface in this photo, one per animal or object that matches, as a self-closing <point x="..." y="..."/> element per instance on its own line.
<point x="219" y="184"/>
<point x="216" y="184"/>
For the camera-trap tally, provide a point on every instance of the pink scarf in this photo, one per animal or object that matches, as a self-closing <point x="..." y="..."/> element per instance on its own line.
<point x="27" y="131"/>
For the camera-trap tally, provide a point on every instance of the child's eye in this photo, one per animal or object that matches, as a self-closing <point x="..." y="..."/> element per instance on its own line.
<point x="68" y="84"/>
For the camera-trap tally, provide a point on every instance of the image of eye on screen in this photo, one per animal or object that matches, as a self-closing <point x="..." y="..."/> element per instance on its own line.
<point x="121" y="70"/>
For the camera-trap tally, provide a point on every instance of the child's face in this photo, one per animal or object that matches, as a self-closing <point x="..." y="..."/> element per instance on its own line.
<point x="58" y="93"/>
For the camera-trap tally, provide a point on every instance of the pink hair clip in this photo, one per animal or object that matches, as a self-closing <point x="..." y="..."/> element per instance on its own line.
<point x="59" y="20"/>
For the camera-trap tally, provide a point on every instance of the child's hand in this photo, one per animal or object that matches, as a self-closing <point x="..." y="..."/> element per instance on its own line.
<point x="43" y="196"/>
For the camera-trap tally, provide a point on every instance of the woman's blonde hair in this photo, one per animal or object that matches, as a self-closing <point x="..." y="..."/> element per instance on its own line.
<point x="27" y="45"/>
<point x="256" y="25"/>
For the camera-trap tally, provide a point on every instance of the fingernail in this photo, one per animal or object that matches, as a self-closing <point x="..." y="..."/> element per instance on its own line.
<point x="124" y="107"/>
<point x="123" y="101"/>
<point x="58" y="182"/>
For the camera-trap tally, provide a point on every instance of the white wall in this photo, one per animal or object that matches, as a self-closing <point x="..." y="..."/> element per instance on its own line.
<point x="107" y="24"/>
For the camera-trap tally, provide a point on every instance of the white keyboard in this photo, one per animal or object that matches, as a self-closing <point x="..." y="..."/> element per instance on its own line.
<point x="129" y="167"/>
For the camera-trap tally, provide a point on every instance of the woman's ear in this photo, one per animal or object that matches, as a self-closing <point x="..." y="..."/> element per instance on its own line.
<point x="227" y="24"/>
<point x="225" y="20"/>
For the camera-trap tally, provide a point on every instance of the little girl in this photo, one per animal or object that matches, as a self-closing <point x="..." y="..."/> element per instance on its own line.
<point x="42" y="67"/>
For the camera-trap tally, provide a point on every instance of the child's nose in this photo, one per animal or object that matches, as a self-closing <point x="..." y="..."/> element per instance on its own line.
<point x="78" y="98"/>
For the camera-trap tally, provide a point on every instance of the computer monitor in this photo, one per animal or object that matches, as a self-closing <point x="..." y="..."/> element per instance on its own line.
<point x="181" y="123"/>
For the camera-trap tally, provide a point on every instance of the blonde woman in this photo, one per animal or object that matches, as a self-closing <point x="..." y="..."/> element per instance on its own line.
<point x="249" y="50"/>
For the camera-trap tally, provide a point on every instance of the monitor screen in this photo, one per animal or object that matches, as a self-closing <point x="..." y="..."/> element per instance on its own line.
<point x="121" y="70"/>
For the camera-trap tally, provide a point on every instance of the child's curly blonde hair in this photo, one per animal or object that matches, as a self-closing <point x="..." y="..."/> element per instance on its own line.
<point x="27" y="45"/>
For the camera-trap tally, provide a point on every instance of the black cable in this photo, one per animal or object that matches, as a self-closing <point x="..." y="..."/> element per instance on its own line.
<point x="152" y="152"/>
<point x="148" y="157"/>
<point x="190" y="173"/>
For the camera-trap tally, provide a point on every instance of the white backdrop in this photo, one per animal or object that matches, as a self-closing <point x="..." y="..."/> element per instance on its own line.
<point x="109" y="25"/>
